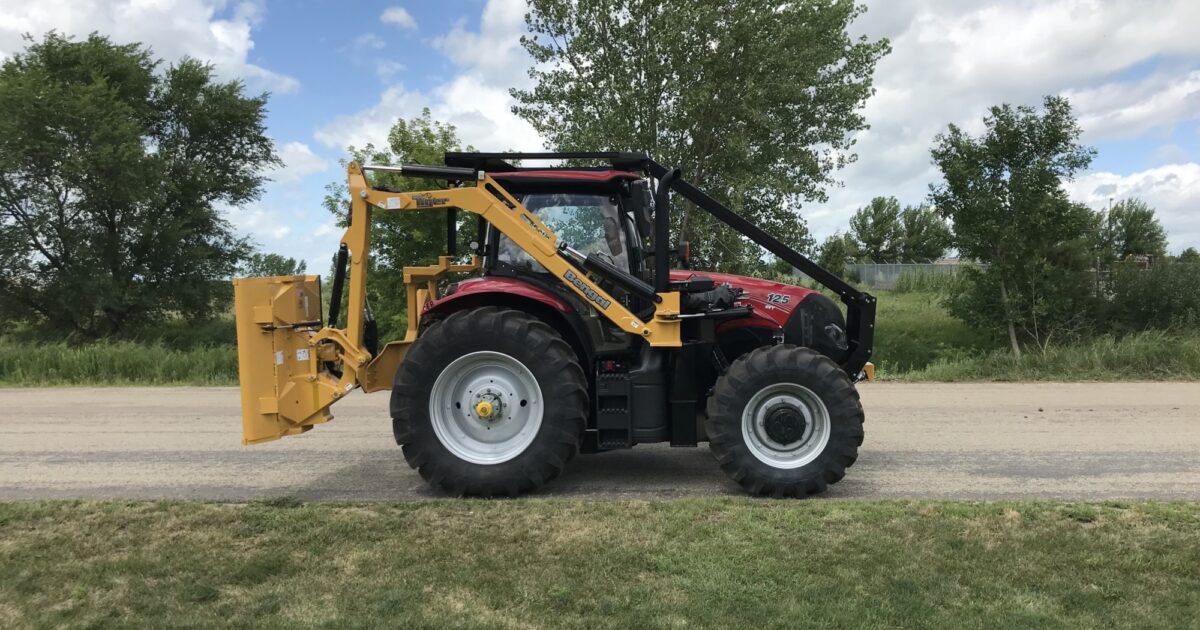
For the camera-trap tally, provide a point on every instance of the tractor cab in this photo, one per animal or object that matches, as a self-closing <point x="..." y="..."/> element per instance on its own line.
<point x="592" y="212"/>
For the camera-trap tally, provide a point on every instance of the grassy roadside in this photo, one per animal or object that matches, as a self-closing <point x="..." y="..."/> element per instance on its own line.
<point x="565" y="564"/>
<point x="916" y="339"/>
<point x="115" y="363"/>
<point x="1147" y="356"/>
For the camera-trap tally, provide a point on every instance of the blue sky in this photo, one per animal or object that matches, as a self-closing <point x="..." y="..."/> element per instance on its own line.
<point x="342" y="72"/>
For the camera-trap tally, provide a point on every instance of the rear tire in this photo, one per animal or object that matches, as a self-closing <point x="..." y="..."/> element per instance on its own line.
<point x="784" y="421"/>
<point x="531" y="382"/>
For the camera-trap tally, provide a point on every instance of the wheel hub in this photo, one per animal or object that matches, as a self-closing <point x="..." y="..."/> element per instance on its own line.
<point x="489" y="406"/>
<point x="784" y="425"/>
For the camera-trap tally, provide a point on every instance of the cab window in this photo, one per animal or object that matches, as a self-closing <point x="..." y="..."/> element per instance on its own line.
<point x="588" y="223"/>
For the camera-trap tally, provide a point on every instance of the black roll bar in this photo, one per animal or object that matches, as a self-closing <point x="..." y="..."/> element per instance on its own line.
<point x="662" y="229"/>
<point x="860" y="306"/>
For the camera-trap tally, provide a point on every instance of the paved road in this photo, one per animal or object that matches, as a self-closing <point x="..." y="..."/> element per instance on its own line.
<point x="977" y="441"/>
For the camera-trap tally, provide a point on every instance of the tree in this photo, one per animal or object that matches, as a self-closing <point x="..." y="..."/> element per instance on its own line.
<point x="113" y="171"/>
<point x="1003" y="193"/>
<point x="878" y="230"/>
<point x="258" y="265"/>
<point x="836" y="252"/>
<point x="402" y="239"/>
<point x="926" y="235"/>
<point x="756" y="101"/>
<point x="1190" y="256"/>
<point x="1131" y="229"/>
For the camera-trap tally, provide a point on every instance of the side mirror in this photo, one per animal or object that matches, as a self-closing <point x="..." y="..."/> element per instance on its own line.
<point x="640" y="201"/>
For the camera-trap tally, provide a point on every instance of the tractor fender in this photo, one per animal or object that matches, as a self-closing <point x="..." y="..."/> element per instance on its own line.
<point x="517" y="295"/>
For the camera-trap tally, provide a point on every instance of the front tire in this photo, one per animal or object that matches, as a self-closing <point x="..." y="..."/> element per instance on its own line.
<point x="784" y="421"/>
<point x="488" y="402"/>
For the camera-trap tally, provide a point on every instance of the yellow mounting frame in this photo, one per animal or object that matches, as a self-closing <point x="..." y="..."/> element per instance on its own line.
<point x="488" y="199"/>
<point x="289" y="395"/>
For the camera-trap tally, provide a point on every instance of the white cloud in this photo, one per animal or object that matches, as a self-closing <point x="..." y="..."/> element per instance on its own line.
<point x="387" y="69"/>
<point x="953" y="59"/>
<point x="204" y="29"/>
<point x="1172" y="190"/>
<point x="476" y="100"/>
<point x="1170" y="154"/>
<point x="398" y="16"/>
<point x="1122" y="109"/>
<point x="494" y="52"/>
<point x="289" y="230"/>
<point x="372" y="125"/>
<point x="369" y="40"/>
<point x="264" y="225"/>
<point x="299" y="162"/>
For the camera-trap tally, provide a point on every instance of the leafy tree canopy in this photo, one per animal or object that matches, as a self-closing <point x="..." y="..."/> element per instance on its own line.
<point x="878" y="230"/>
<point x="926" y="235"/>
<point x="836" y="252"/>
<point x="258" y="265"/>
<point x="755" y="100"/>
<point x="411" y="238"/>
<point x="113" y="173"/>
<point x="1002" y="191"/>
<point x="1190" y="256"/>
<point x="1131" y="229"/>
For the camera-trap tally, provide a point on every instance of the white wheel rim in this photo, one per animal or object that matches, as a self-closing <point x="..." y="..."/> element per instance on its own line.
<point x="502" y="382"/>
<point x="797" y="399"/>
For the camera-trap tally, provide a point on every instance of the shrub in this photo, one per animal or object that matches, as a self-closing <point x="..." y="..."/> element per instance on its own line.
<point x="1166" y="295"/>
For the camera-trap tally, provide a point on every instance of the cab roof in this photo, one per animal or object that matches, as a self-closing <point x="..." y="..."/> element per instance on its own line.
<point x="565" y="180"/>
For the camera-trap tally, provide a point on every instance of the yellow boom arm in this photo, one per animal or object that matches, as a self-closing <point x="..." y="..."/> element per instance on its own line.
<point x="283" y="350"/>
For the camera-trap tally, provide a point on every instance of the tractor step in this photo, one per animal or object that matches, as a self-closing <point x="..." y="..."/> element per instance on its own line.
<point x="614" y="417"/>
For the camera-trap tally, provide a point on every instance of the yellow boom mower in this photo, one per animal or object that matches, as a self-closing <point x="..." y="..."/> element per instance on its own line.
<point x="285" y="353"/>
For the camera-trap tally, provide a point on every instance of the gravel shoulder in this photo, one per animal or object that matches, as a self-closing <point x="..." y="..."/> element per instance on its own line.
<point x="1089" y="441"/>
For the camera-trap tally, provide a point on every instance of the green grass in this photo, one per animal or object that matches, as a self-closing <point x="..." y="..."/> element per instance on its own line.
<point x="1151" y="355"/>
<point x="913" y="330"/>
<point x="115" y="363"/>
<point x="567" y="564"/>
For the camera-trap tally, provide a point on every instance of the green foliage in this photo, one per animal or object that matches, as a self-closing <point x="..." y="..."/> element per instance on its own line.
<point x="836" y="252"/>
<point x="1003" y="193"/>
<point x="115" y="363"/>
<point x="877" y="229"/>
<point x="935" y="282"/>
<point x="402" y="239"/>
<point x="1167" y="295"/>
<point x="113" y="172"/>
<point x="914" y="330"/>
<point x="1154" y="355"/>
<point x="1050" y="304"/>
<point x="1131" y="229"/>
<point x="884" y="233"/>
<point x="1189" y="256"/>
<point x="756" y="101"/>
<point x="926" y="235"/>
<point x="259" y="265"/>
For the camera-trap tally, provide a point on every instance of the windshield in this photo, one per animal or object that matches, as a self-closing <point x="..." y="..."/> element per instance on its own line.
<point x="587" y="223"/>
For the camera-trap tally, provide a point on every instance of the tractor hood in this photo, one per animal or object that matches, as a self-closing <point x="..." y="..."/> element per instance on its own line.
<point x="808" y="318"/>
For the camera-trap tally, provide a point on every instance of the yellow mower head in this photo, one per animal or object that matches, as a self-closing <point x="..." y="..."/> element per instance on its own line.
<point x="282" y="388"/>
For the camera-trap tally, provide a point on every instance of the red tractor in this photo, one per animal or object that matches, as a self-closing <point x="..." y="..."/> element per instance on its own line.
<point x="577" y="336"/>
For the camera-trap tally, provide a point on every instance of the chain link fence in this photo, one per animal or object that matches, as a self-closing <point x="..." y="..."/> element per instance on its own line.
<point x="886" y="275"/>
